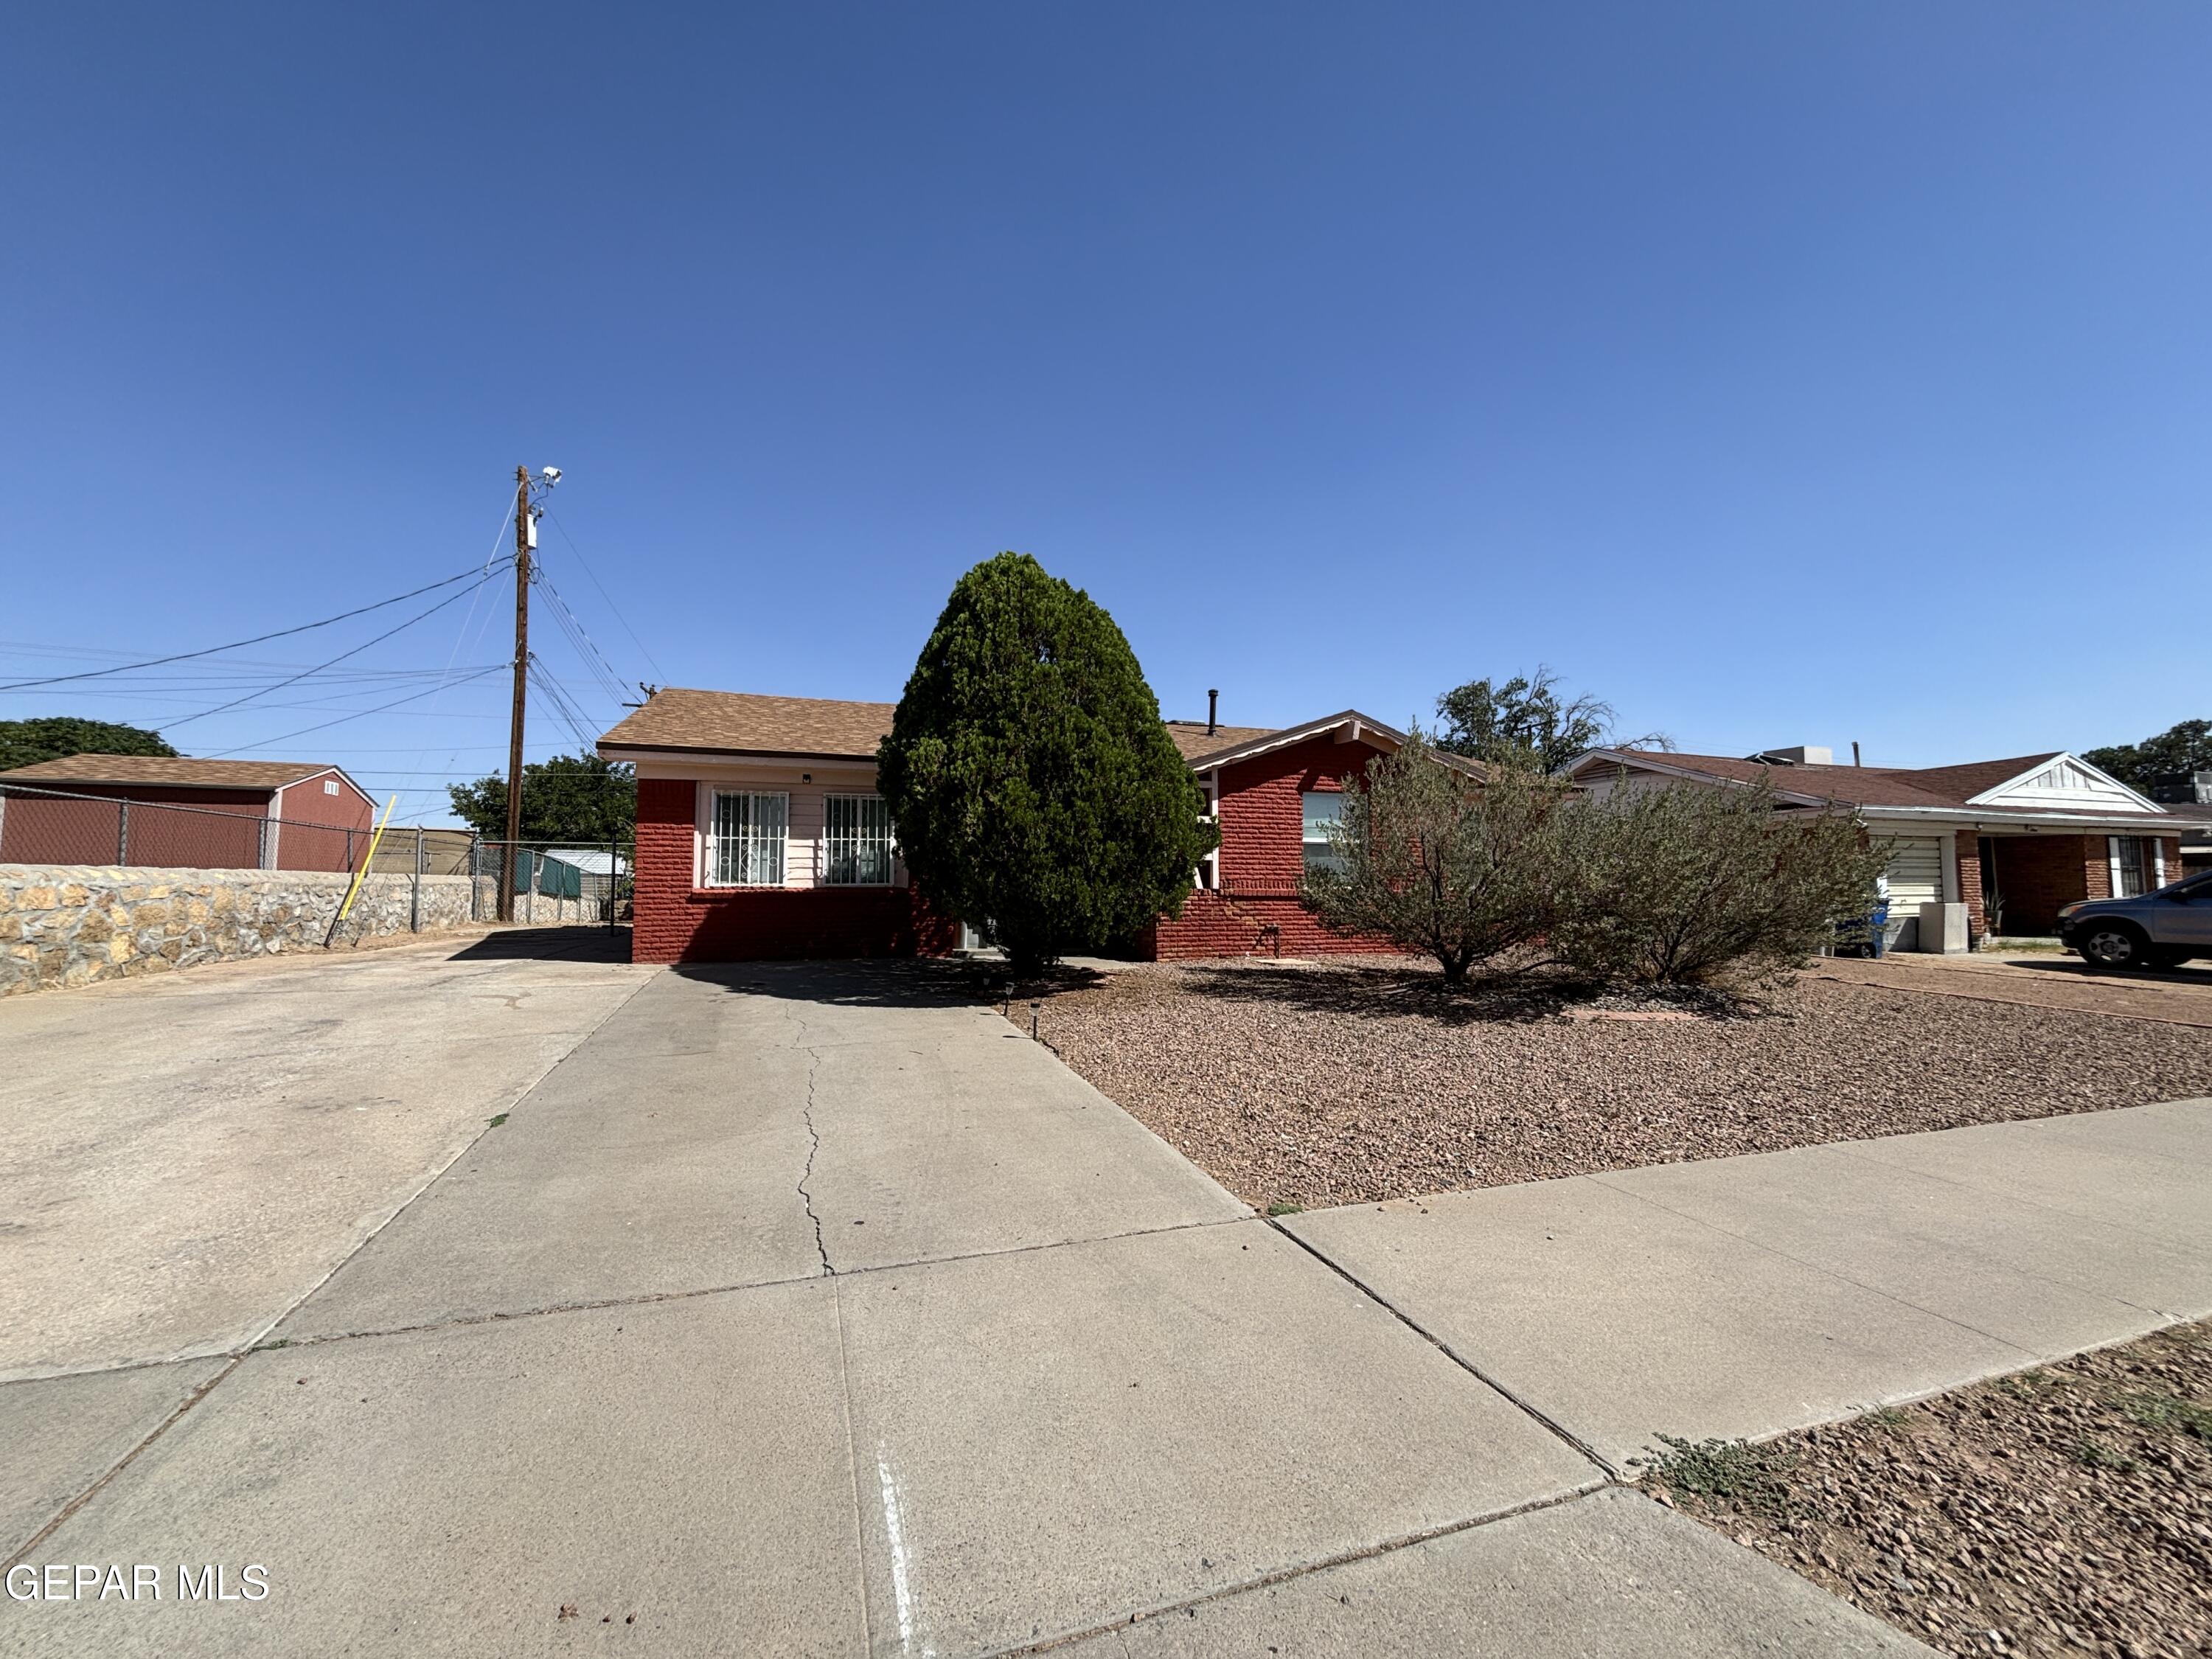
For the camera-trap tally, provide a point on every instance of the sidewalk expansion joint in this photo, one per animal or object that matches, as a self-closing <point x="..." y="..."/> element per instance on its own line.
<point x="1541" y="1417"/>
<point x="1299" y="1570"/>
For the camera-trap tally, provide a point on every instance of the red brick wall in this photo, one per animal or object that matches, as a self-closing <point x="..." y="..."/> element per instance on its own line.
<point x="1262" y="860"/>
<point x="2036" y="874"/>
<point x="675" y="922"/>
<point x="1970" y="882"/>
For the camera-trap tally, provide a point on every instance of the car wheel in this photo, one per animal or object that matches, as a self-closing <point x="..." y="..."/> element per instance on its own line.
<point x="2114" y="945"/>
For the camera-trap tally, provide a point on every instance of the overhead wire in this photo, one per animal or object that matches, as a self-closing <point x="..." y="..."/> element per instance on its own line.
<point x="318" y="668"/>
<point x="236" y="645"/>
<point x="355" y="715"/>
<point x="603" y="594"/>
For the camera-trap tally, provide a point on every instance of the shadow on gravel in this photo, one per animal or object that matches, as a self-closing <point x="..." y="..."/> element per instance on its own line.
<point x="1394" y="993"/>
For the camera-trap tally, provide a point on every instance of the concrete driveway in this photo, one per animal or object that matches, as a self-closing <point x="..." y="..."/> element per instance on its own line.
<point x="794" y="1310"/>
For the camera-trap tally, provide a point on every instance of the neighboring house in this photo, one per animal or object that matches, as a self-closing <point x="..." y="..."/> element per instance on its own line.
<point x="760" y="833"/>
<point x="265" y="814"/>
<point x="2031" y="833"/>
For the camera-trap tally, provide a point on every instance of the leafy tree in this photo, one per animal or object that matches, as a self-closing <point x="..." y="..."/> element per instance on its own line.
<point x="1686" y="885"/>
<point x="57" y="737"/>
<point x="1524" y="721"/>
<point x="578" y="800"/>
<point x="2179" y="749"/>
<point x="1438" y="860"/>
<point x="1035" y="789"/>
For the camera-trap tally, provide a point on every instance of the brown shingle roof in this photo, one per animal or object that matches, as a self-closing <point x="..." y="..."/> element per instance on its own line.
<point x="1197" y="743"/>
<point x="1963" y="783"/>
<point x="179" y="771"/>
<point x="1950" y="787"/>
<point x="742" y="723"/>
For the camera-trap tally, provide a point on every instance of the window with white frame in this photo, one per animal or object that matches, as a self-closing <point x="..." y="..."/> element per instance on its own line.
<point x="1322" y="808"/>
<point x="2131" y="868"/>
<point x="856" y="841"/>
<point x="745" y="838"/>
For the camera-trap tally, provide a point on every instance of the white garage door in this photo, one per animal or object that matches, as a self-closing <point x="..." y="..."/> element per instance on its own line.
<point x="1916" y="874"/>
<point x="1916" y="878"/>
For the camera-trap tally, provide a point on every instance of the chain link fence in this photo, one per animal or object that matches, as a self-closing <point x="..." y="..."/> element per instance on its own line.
<point x="59" y="826"/>
<point x="553" y="883"/>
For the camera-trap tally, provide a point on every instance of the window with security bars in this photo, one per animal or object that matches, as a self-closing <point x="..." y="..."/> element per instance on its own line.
<point x="745" y="840"/>
<point x="856" y="841"/>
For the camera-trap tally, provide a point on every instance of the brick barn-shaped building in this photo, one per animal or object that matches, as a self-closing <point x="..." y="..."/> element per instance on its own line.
<point x="760" y="833"/>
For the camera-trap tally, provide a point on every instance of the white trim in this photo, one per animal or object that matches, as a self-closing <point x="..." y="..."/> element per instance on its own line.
<point x="1365" y="728"/>
<point x="2157" y="862"/>
<point x="1990" y="797"/>
<point x="707" y="875"/>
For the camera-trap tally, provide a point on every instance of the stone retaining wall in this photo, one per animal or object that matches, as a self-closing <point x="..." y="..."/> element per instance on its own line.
<point x="76" y="924"/>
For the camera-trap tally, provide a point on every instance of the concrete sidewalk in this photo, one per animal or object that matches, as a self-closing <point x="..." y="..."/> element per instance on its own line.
<point x="1749" y="1296"/>
<point x="815" y="1310"/>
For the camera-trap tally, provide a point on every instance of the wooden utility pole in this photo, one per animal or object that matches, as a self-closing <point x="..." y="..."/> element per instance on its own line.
<point x="512" y="862"/>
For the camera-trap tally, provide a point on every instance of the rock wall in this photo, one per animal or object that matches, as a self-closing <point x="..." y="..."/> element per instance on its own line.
<point x="76" y="924"/>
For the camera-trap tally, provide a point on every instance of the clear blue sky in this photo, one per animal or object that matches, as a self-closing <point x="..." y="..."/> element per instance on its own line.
<point x="1783" y="373"/>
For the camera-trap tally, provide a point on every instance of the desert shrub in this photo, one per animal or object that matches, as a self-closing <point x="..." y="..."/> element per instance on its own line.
<point x="1688" y="885"/>
<point x="1441" y="856"/>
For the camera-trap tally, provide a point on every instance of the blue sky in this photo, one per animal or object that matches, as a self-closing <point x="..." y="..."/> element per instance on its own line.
<point x="1781" y="373"/>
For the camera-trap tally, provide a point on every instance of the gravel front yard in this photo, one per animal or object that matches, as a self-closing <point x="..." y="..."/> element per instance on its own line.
<point x="2062" y="1511"/>
<point x="1339" y="1084"/>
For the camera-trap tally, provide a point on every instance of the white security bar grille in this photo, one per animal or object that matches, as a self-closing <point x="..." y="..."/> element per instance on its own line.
<point x="748" y="835"/>
<point x="856" y="841"/>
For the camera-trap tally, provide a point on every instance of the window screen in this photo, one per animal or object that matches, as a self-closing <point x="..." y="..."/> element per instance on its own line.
<point x="856" y="841"/>
<point x="745" y="840"/>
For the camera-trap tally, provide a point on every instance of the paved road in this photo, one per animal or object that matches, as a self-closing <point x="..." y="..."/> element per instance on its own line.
<point x="813" y="1311"/>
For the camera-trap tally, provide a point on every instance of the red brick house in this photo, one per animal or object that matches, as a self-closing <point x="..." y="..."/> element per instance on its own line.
<point x="2037" y="830"/>
<point x="760" y="833"/>
<point x="247" y="815"/>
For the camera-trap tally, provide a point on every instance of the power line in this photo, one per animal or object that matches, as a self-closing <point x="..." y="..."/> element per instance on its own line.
<point x="586" y="648"/>
<point x="287" y="737"/>
<point x="603" y="594"/>
<point x="334" y="661"/>
<point x="235" y="645"/>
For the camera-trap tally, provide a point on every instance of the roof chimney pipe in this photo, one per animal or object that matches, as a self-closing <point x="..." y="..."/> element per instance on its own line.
<point x="1212" y="710"/>
<point x="1854" y="752"/>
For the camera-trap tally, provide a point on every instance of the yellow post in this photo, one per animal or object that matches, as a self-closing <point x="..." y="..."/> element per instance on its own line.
<point x="353" y="888"/>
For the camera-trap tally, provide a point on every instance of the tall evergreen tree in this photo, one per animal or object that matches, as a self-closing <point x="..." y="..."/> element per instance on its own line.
<point x="1034" y="789"/>
<point x="57" y="737"/>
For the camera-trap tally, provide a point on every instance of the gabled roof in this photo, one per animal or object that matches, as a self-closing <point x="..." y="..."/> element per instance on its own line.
<point x="1975" y="777"/>
<point x="1349" y="726"/>
<point x="178" y="771"/>
<point x="742" y="723"/>
<point x="1976" y="789"/>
